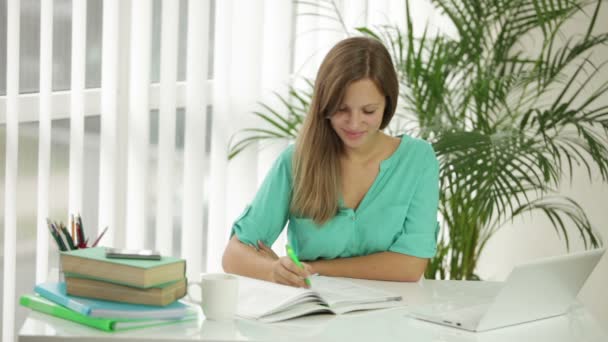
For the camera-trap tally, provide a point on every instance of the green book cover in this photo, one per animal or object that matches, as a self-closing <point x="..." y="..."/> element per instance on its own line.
<point x="99" y="254"/>
<point x="92" y="263"/>
<point x="40" y="304"/>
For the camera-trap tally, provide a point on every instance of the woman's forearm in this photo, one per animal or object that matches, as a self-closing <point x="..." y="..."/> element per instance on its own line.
<point x="245" y="260"/>
<point x="378" y="266"/>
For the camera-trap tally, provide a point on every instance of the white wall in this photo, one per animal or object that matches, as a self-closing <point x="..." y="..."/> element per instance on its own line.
<point x="533" y="237"/>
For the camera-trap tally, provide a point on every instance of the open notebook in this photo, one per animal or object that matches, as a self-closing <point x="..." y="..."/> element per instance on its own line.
<point x="270" y="302"/>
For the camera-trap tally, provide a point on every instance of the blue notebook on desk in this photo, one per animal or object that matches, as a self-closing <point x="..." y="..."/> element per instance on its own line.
<point x="56" y="293"/>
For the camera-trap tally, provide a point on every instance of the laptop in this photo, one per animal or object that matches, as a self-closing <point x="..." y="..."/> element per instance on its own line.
<point x="539" y="289"/>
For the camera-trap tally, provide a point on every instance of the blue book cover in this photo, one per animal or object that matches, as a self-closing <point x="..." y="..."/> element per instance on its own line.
<point x="38" y="303"/>
<point x="56" y="292"/>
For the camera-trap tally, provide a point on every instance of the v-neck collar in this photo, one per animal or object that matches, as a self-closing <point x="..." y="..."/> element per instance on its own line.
<point x="384" y="165"/>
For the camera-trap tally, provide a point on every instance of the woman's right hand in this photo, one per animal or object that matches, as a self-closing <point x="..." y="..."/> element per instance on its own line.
<point x="285" y="272"/>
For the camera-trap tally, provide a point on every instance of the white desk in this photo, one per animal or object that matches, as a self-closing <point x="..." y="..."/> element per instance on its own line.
<point x="385" y="325"/>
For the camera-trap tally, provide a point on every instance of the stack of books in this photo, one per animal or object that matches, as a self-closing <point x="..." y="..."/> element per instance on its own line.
<point x="89" y="273"/>
<point x="115" y="294"/>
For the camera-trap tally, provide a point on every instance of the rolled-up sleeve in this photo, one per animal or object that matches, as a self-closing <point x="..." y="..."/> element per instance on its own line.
<point x="265" y="217"/>
<point x="419" y="235"/>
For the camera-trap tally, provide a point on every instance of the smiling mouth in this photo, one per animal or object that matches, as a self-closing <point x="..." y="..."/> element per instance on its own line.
<point x="353" y="135"/>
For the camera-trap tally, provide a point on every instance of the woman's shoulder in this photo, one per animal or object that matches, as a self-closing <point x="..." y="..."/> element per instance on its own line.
<point x="418" y="149"/>
<point x="285" y="159"/>
<point x="416" y="145"/>
<point x="287" y="155"/>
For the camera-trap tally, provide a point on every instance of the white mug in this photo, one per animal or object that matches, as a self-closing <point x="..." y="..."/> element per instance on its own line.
<point x="219" y="293"/>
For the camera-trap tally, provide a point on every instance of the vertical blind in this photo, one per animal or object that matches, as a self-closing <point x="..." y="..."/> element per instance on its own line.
<point x="138" y="122"/>
<point x="194" y="144"/>
<point x="247" y="42"/>
<point x="76" y="166"/>
<point x="167" y="124"/>
<point x="10" y="175"/>
<point x="44" y="136"/>
<point x="109" y="161"/>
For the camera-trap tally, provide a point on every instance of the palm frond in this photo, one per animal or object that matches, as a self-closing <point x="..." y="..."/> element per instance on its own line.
<point x="559" y="208"/>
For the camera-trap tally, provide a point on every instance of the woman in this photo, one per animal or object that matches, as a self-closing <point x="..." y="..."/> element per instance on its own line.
<point x="360" y="203"/>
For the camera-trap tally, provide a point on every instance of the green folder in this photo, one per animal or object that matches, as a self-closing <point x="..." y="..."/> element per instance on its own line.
<point x="40" y="304"/>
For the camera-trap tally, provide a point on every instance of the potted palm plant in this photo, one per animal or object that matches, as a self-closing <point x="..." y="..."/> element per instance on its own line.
<point x="508" y="124"/>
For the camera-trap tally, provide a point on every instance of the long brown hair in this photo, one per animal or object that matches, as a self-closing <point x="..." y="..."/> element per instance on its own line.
<point x="316" y="165"/>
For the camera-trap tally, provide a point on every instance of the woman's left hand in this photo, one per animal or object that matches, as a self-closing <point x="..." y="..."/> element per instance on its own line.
<point x="266" y="251"/>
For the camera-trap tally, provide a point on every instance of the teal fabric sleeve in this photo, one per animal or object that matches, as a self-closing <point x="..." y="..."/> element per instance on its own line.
<point x="265" y="217"/>
<point x="419" y="235"/>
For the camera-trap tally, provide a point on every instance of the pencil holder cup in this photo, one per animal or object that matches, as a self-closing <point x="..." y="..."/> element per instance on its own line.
<point x="219" y="295"/>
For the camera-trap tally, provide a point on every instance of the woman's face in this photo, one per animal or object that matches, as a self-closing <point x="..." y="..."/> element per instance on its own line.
<point x="359" y="116"/>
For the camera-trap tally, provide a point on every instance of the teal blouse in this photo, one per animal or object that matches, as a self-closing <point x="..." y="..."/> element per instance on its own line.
<point x="398" y="213"/>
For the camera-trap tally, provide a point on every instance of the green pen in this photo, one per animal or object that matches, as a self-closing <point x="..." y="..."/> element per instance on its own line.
<point x="292" y="255"/>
